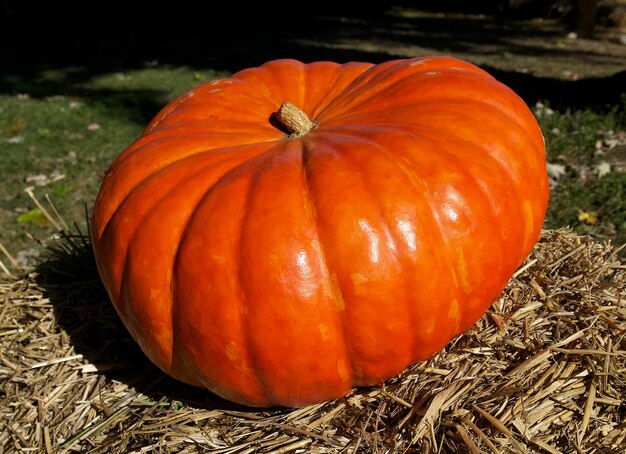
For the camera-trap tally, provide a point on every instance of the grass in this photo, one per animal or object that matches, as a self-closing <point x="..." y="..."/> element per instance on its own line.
<point x="59" y="133"/>
<point x="577" y="140"/>
<point x="61" y="130"/>
<point x="572" y="134"/>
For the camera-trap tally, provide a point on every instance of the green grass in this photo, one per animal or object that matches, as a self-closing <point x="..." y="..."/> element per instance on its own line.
<point x="61" y="130"/>
<point x="572" y="139"/>
<point x="571" y="135"/>
<point x="605" y="196"/>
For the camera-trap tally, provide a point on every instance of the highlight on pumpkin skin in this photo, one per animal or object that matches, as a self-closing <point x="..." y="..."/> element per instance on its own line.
<point x="295" y="230"/>
<point x="357" y="219"/>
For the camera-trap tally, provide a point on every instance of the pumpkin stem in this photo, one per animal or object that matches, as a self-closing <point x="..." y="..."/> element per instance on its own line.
<point x="294" y="120"/>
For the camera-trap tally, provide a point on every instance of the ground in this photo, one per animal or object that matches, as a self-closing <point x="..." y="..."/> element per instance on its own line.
<point x="539" y="47"/>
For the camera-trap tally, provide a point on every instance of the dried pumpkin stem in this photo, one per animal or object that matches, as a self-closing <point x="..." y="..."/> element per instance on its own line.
<point x="294" y="120"/>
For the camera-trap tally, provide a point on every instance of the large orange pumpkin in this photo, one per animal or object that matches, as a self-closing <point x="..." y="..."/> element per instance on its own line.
<point x="280" y="261"/>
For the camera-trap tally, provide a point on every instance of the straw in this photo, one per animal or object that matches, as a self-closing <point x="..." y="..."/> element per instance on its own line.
<point x="543" y="371"/>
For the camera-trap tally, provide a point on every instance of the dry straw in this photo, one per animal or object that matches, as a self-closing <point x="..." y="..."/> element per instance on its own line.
<point x="543" y="371"/>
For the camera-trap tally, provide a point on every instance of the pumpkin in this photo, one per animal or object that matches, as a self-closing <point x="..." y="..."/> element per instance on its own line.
<point x="294" y="231"/>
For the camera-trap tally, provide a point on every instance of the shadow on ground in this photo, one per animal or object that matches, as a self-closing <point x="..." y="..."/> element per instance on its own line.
<point x="117" y="37"/>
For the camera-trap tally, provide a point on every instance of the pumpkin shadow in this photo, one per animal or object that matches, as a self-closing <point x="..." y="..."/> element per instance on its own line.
<point x="68" y="277"/>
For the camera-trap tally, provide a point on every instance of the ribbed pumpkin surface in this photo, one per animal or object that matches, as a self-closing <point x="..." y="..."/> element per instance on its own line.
<point x="276" y="270"/>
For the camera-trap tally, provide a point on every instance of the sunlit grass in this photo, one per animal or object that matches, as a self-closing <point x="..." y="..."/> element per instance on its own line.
<point x="577" y="139"/>
<point x="60" y="131"/>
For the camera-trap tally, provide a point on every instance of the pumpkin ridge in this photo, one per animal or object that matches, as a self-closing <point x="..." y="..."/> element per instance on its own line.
<point x="259" y="377"/>
<point x="508" y="172"/>
<point x="265" y="96"/>
<point x="132" y="328"/>
<point x="485" y="201"/>
<point x="424" y="135"/>
<point x="354" y="112"/>
<point x="211" y="128"/>
<point x="262" y="99"/>
<point x="486" y="196"/>
<point x="518" y="121"/>
<point x="153" y="139"/>
<point x="431" y="138"/>
<point x="449" y="249"/>
<point x="238" y="156"/>
<point x="106" y="232"/>
<point x="335" y="287"/>
<point x="125" y="277"/>
<point x="249" y="348"/>
<point x="167" y="111"/>
<point x="389" y="235"/>
<point x="262" y="89"/>
<point x="423" y="132"/>
<point x="354" y="117"/>
<point x="248" y="89"/>
<point x="450" y="262"/>
<point x="338" y="80"/>
<point x="420" y="188"/>
<point x="254" y="162"/>
<point x="137" y="230"/>
<point x="372" y="89"/>
<point x="383" y="235"/>
<point x="502" y="157"/>
<point x="268" y="394"/>
<point x="371" y="194"/>
<point x="396" y="161"/>
<point x="359" y="82"/>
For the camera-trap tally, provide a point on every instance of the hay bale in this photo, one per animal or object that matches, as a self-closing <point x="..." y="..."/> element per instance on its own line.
<point x="543" y="371"/>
